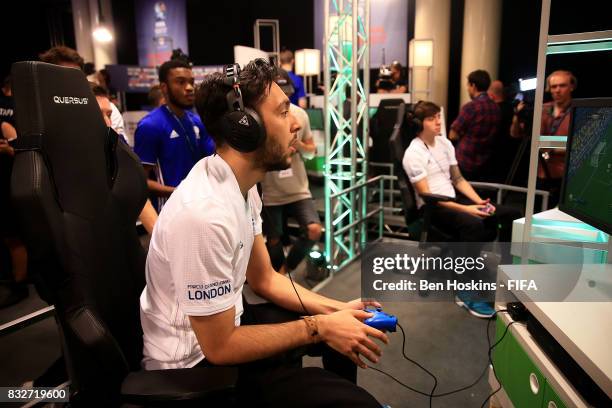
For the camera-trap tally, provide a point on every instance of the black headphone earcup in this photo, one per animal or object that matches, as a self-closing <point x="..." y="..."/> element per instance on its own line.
<point x="259" y="131"/>
<point x="243" y="130"/>
<point x="418" y="125"/>
<point x="414" y="123"/>
<point x="260" y="126"/>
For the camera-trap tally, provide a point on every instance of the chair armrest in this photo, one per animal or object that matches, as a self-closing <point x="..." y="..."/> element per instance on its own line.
<point x="430" y="198"/>
<point x="178" y="384"/>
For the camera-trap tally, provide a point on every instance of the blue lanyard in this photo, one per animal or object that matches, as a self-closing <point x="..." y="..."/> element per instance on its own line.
<point x="192" y="149"/>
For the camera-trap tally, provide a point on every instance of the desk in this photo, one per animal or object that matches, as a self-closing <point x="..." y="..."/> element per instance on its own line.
<point x="556" y="227"/>
<point x="583" y="329"/>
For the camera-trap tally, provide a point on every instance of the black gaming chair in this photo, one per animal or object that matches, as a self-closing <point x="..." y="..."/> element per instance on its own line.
<point x="418" y="221"/>
<point x="78" y="192"/>
<point x="381" y="129"/>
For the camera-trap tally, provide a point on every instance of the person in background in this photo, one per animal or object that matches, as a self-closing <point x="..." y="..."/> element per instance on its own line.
<point x="556" y="119"/>
<point x="431" y="166"/>
<point x="171" y="139"/>
<point x="475" y="128"/>
<point x="64" y="56"/>
<point x="15" y="289"/>
<point x="156" y="97"/>
<point x="287" y="62"/>
<point x="396" y="82"/>
<point x="7" y="111"/>
<point x="286" y="193"/>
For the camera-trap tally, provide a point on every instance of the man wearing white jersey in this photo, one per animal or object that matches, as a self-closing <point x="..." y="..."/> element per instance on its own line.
<point x="431" y="166"/>
<point x="207" y="243"/>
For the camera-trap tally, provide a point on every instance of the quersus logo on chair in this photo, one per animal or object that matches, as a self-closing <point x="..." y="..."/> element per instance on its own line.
<point x="70" y="100"/>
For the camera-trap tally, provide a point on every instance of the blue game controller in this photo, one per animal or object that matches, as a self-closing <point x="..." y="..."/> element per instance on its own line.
<point x="381" y="320"/>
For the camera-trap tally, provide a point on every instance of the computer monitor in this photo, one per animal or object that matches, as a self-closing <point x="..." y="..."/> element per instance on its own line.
<point x="586" y="192"/>
<point x="315" y="115"/>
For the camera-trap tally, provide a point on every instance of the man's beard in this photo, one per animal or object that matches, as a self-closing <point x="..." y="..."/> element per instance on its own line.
<point x="174" y="100"/>
<point x="271" y="157"/>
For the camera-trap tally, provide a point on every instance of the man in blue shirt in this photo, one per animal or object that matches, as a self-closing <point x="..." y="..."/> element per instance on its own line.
<point x="299" y="96"/>
<point x="171" y="139"/>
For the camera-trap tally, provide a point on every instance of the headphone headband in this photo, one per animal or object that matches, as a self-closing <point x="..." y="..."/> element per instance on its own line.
<point x="232" y="78"/>
<point x="243" y="129"/>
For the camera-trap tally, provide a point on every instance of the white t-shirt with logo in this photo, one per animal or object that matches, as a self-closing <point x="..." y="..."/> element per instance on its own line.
<point x="197" y="261"/>
<point x="433" y="162"/>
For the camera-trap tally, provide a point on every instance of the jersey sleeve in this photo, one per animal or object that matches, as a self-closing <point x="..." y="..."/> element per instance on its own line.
<point x="147" y="142"/>
<point x="200" y="254"/>
<point x="415" y="165"/>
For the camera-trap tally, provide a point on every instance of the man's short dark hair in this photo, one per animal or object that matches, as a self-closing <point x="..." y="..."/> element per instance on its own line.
<point x="286" y="57"/>
<point x="61" y="53"/>
<point x="425" y="109"/>
<point x="480" y="79"/>
<point x="98" y="90"/>
<point x="89" y="68"/>
<point x="154" y="95"/>
<point x="211" y="103"/>
<point x="165" y="68"/>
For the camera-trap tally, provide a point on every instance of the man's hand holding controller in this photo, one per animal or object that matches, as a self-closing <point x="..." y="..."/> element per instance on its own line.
<point x="489" y="209"/>
<point x="486" y="207"/>
<point x="346" y="332"/>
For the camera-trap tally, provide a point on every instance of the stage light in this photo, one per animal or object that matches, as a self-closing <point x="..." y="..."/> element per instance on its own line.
<point x="102" y="34"/>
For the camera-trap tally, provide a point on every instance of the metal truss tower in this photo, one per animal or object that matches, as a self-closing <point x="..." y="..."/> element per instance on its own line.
<point x="347" y="56"/>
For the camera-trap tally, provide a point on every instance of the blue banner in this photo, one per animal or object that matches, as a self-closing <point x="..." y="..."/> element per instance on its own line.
<point x="161" y="26"/>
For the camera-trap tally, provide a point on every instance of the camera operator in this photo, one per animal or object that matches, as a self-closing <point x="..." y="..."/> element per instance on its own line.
<point x="522" y="118"/>
<point x="556" y="117"/>
<point x="391" y="80"/>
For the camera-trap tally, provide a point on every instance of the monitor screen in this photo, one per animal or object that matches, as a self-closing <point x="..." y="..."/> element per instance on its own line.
<point x="587" y="185"/>
<point x="315" y="115"/>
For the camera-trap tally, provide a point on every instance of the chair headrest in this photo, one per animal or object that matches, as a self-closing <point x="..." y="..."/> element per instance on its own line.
<point x="55" y="107"/>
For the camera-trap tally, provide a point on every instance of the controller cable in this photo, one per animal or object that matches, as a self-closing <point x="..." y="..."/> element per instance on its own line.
<point x="490" y="361"/>
<point x="307" y="313"/>
<point x="431" y="394"/>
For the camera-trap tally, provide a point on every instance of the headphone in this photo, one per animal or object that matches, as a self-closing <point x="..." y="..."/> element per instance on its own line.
<point x="242" y="127"/>
<point x="416" y="124"/>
